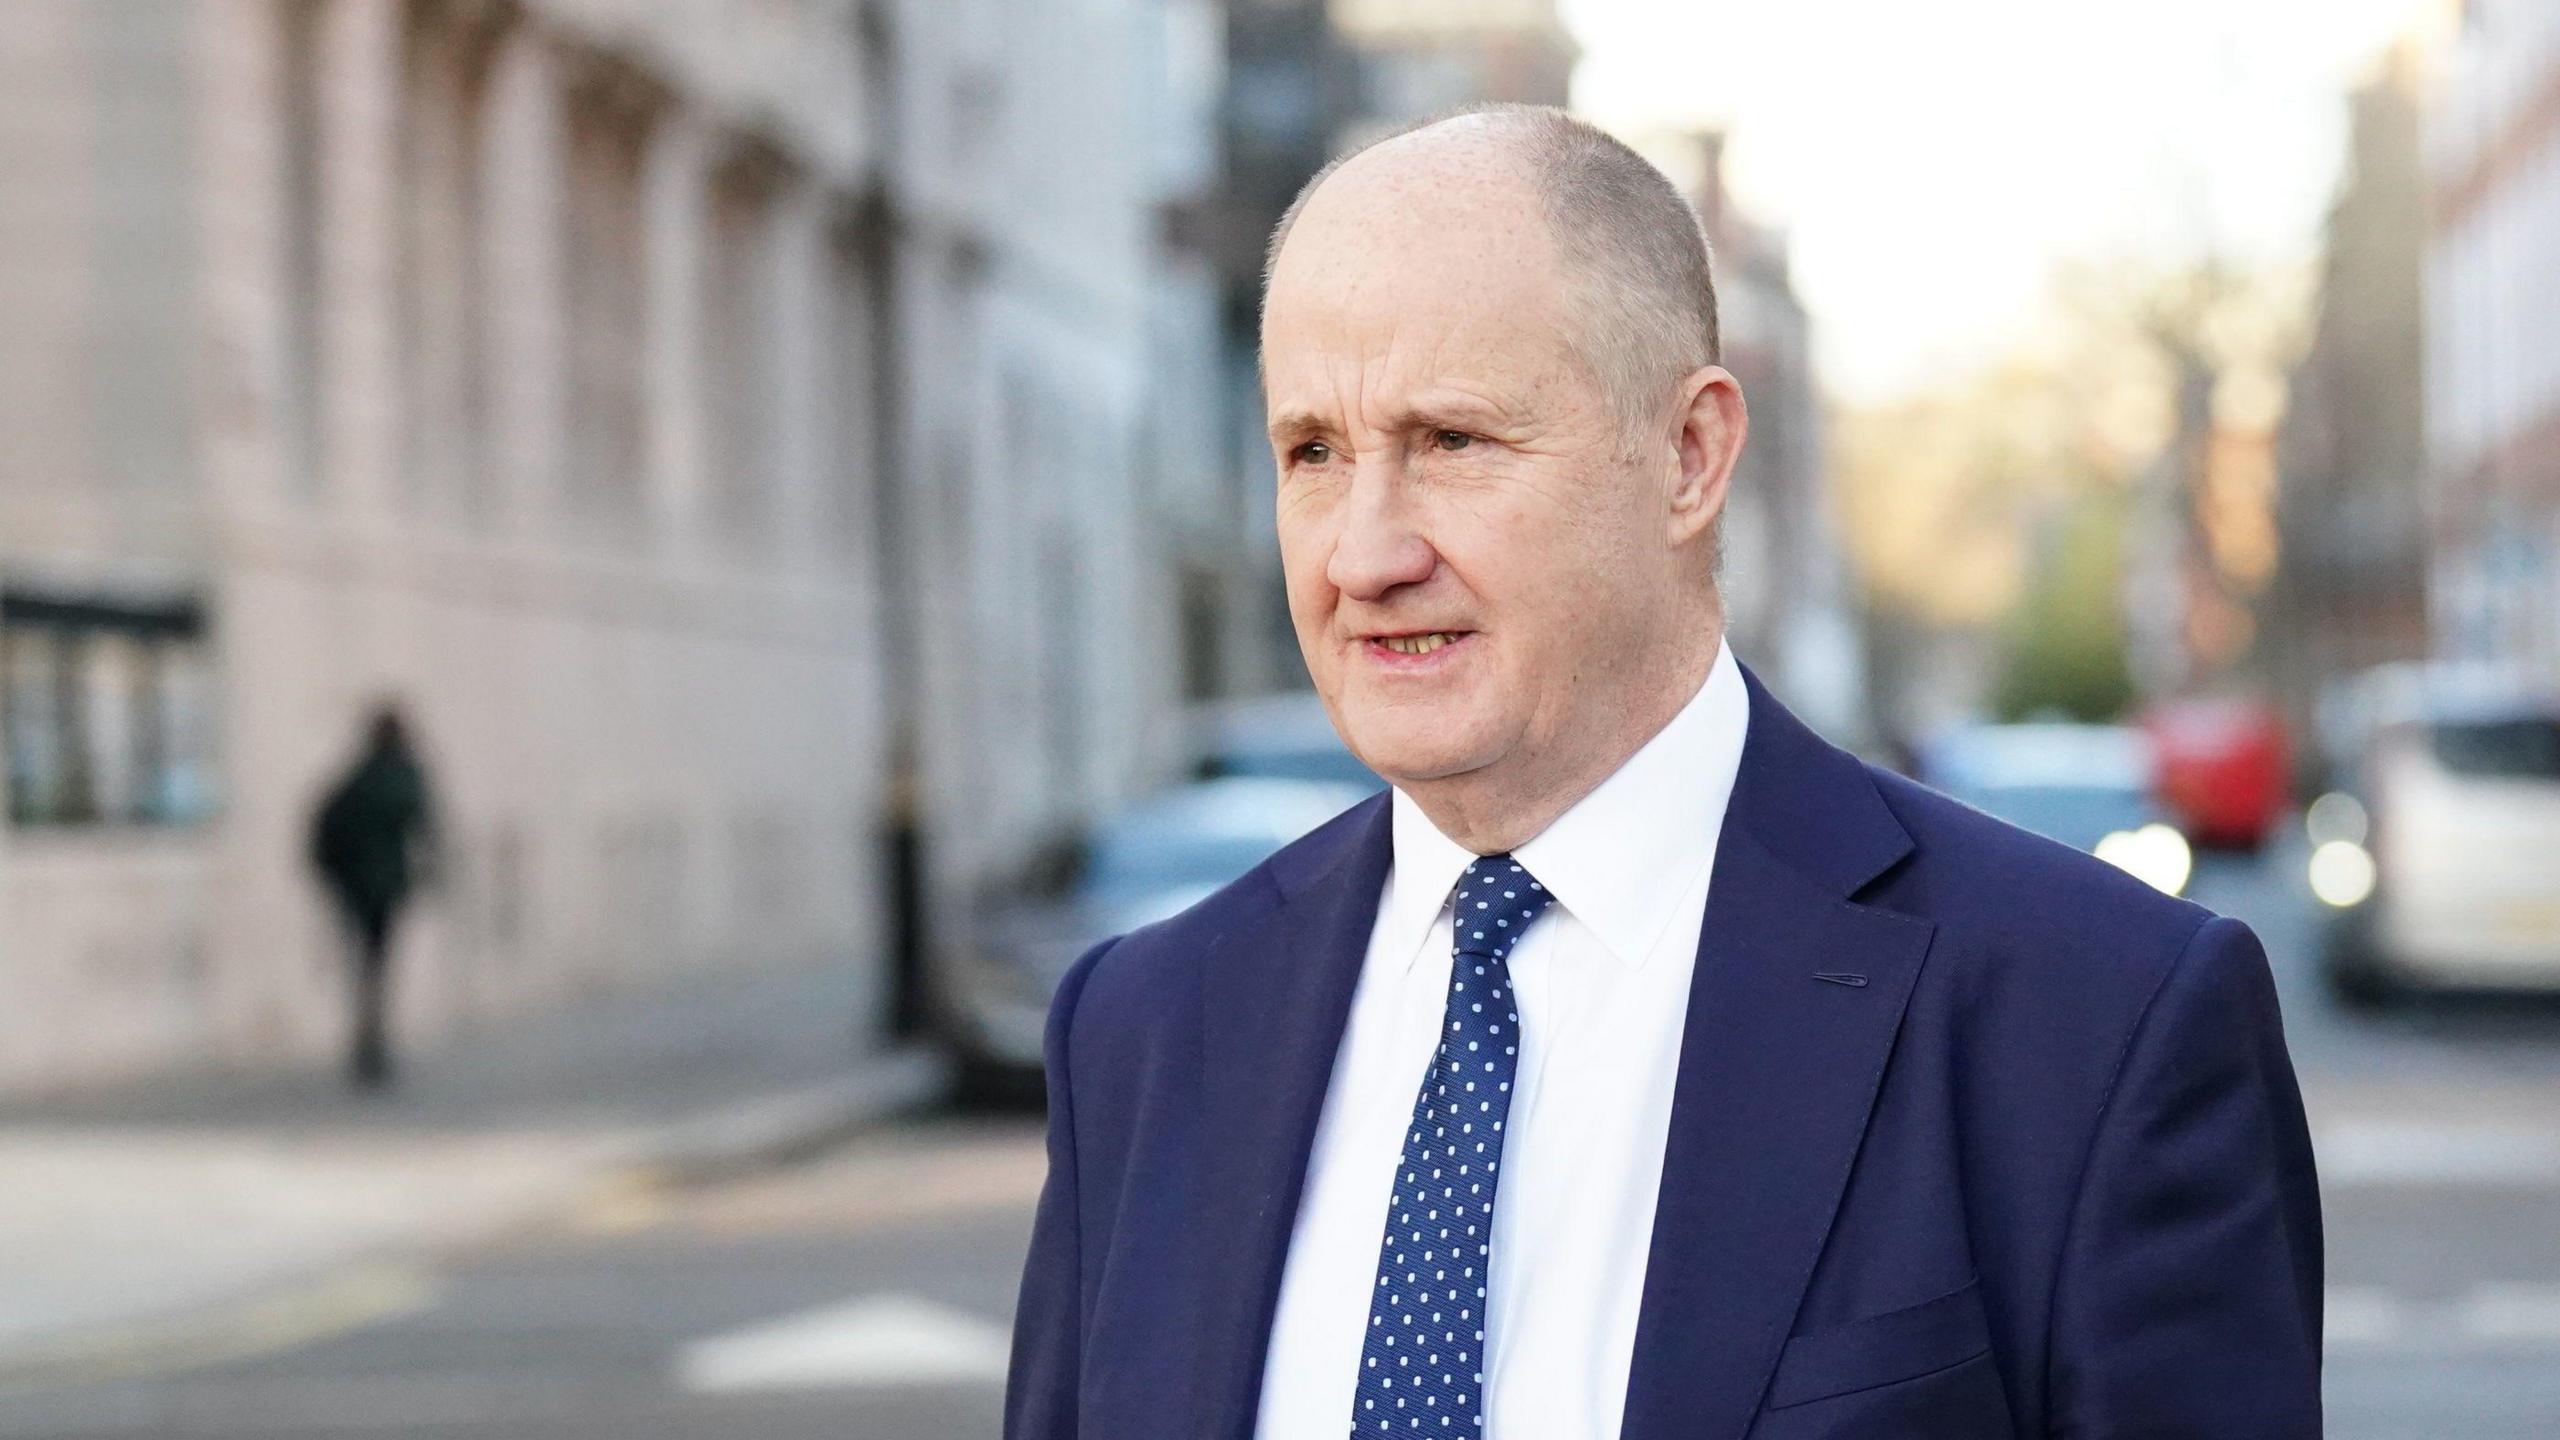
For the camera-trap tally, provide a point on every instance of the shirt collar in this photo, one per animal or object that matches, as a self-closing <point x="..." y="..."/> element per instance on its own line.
<point x="1620" y="858"/>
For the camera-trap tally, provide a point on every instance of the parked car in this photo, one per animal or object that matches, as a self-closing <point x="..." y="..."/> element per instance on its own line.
<point x="1285" y="736"/>
<point x="990" y="996"/>
<point x="2225" y="769"/>
<point x="2438" y="865"/>
<point x="2089" y="786"/>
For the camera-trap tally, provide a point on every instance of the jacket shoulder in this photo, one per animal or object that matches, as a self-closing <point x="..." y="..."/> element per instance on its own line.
<point x="1147" y="967"/>
<point x="2042" y="912"/>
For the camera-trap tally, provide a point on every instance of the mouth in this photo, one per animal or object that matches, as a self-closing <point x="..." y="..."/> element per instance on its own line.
<point x="1416" y="649"/>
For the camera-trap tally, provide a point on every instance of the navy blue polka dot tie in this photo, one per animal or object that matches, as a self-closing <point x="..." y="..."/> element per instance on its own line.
<point x="1422" y="1364"/>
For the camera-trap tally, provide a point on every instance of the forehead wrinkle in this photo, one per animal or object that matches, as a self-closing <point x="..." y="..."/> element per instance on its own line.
<point x="1439" y="400"/>
<point x="1473" y="300"/>
<point x="1399" y="387"/>
<point x="1445" y="340"/>
<point x="1409" y="384"/>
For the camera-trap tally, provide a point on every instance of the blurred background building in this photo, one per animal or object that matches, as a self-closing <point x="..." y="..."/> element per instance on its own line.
<point x="1790" y="604"/>
<point x="2351" y="515"/>
<point x="1416" y="58"/>
<point x="801" y="460"/>
<point x="2492" y="167"/>
<point x="739" y="432"/>
<point x="794" y="459"/>
<point x="512" y="360"/>
<point x="1056" y="565"/>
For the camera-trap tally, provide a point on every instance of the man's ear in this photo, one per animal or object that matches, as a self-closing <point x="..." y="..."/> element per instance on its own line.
<point x="1713" y="424"/>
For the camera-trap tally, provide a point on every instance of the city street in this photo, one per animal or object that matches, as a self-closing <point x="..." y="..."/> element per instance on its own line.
<point x="2439" y="1152"/>
<point x="864" y="1293"/>
<point x="859" y="1295"/>
<point x="597" y="598"/>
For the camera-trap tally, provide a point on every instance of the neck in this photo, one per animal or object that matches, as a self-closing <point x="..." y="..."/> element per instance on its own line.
<point x="1500" y="808"/>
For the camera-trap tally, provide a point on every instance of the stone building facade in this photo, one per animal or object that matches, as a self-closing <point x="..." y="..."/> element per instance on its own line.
<point x="2350" y="592"/>
<point x="2492" y="156"/>
<point x="727" y="427"/>
<point x="1789" y="603"/>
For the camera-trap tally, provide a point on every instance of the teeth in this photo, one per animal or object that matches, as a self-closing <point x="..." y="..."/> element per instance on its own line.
<point x="1418" y="644"/>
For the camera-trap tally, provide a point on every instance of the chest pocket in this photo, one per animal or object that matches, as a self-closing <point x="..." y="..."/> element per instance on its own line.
<point x="1881" y="1349"/>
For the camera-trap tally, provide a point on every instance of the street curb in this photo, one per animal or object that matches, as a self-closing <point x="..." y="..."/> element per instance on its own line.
<point x="776" y="1129"/>
<point x="720" y="1142"/>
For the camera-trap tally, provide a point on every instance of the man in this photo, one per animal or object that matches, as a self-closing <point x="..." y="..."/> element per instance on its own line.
<point x="1823" y="1105"/>
<point x="371" y="836"/>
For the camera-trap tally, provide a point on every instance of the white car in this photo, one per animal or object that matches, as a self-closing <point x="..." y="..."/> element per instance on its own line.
<point x="2440" y="866"/>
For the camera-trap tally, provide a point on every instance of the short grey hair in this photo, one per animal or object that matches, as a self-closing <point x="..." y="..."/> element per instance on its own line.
<point x="1638" y="256"/>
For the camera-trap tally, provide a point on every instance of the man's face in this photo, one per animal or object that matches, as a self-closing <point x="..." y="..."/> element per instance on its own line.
<point x="1475" y="569"/>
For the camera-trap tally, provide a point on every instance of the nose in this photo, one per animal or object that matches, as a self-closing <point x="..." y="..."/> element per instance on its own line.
<point x="1378" y="547"/>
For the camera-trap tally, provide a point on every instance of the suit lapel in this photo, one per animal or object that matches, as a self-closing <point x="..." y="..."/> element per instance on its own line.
<point x="1780" y="1060"/>
<point x="1276" y="996"/>
<point x="1778" y="1071"/>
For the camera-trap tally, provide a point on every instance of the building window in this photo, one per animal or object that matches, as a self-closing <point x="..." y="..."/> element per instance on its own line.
<point x="104" y="711"/>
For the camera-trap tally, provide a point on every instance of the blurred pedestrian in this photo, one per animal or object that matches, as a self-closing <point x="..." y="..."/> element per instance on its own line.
<point x="373" y="843"/>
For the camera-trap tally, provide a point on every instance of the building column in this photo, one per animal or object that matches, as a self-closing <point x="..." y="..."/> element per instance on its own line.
<point x="673" y="202"/>
<point x="801" y="361"/>
<point x="440" y="202"/>
<point x="359" y="86"/>
<point x="242" y="388"/>
<point x="522" y="267"/>
<point x="48" y="136"/>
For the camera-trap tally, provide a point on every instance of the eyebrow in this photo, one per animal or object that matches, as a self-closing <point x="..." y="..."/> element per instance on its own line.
<point x="1295" y="422"/>
<point x="1438" y="407"/>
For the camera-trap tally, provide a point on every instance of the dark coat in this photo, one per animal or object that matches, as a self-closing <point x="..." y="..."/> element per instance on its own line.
<point x="368" y="833"/>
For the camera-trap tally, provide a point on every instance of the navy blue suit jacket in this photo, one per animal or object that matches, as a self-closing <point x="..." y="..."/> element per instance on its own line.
<point x="2040" y="1168"/>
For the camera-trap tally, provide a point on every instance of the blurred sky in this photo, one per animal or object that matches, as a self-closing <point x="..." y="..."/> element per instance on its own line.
<point x="1933" y="161"/>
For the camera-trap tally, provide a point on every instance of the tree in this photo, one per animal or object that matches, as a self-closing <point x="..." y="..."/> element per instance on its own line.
<point x="2064" y="646"/>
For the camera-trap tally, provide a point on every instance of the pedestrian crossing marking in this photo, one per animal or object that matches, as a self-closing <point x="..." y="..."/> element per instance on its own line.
<point x="2492" y="1316"/>
<point x="2372" y="1152"/>
<point x="872" y="1340"/>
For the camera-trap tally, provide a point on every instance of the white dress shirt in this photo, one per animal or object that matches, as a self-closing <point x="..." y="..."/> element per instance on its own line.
<point x="1603" y="985"/>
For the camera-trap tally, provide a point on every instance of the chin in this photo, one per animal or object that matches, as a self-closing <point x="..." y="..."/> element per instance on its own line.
<point x="1412" y="746"/>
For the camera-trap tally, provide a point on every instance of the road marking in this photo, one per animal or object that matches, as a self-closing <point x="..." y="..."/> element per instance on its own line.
<point x="624" y="1203"/>
<point x="874" y="1340"/>
<point x="2490" y="1316"/>
<point x="273" y="1406"/>
<point x="2400" y="1152"/>
<point x="357" y="1296"/>
<point x="2364" y="1317"/>
<point x="2505" y="1313"/>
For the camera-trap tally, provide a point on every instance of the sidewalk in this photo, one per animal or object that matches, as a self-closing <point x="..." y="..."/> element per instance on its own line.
<point x="134" y="1206"/>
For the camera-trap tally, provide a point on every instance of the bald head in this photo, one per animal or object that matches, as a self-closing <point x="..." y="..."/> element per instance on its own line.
<point x="1633" y="260"/>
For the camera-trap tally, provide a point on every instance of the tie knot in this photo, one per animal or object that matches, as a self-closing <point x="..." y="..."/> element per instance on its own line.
<point x="1496" y="899"/>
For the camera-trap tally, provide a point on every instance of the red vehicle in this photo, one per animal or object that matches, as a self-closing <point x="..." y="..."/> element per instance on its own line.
<point x="2225" y="768"/>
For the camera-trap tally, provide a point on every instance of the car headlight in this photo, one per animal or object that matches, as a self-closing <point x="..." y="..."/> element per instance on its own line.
<point x="2155" y="854"/>
<point x="2342" y="873"/>
<point x="2336" y="815"/>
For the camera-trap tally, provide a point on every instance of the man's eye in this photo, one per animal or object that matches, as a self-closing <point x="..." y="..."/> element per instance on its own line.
<point x="1452" y="439"/>
<point x="1314" y="452"/>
